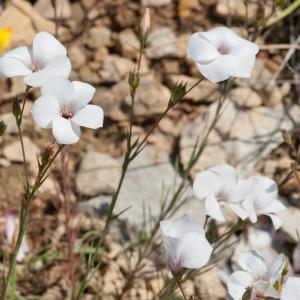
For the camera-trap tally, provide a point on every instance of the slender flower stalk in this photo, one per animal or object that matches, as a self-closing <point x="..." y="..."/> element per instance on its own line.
<point x="44" y="166"/>
<point x="178" y="282"/>
<point x="166" y="212"/>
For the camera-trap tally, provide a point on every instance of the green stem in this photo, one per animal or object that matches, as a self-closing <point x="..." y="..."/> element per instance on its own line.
<point x="23" y="220"/>
<point x="194" y="158"/>
<point x="179" y="285"/>
<point x="292" y="7"/>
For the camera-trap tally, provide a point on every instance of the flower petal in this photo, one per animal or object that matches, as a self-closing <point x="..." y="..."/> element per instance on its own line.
<point x="24" y="249"/>
<point x="266" y="288"/>
<point x="83" y="93"/>
<point x="10" y="227"/>
<point x="273" y="207"/>
<point x="58" y="66"/>
<point x="180" y="226"/>
<point x="248" y="206"/>
<point x="216" y="180"/>
<point x="45" y="47"/>
<point x="227" y="175"/>
<point x="200" y="49"/>
<point x="90" y="116"/>
<point x="170" y="245"/>
<point x="275" y="268"/>
<point x="238" y="210"/>
<point x="205" y="184"/>
<point x="269" y="185"/>
<point x="291" y="289"/>
<point x="253" y="263"/>
<point x="65" y="131"/>
<point x="16" y="62"/>
<point x="194" y="250"/>
<point x="241" y="190"/>
<point x="275" y="220"/>
<point x="219" y="69"/>
<point x="214" y="210"/>
<point x="238" y="283"/>
<point x="225" y="37"/>
<point x="44" y="110"/>
<point x="243" y="63"/>
<point x="59" y="87"/>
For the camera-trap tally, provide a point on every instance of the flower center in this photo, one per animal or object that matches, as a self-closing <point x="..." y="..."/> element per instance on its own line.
<point x="35" y="68"/>
<point x="66" y="113"/>
<point x="221" y="197"/>
<point x="223" y="50"/>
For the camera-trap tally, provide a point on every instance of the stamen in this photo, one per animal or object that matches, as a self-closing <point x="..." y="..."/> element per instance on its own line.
<point x="66" y="113"/>
<point x="35" y="68"/>
<point x="223" y="50"/>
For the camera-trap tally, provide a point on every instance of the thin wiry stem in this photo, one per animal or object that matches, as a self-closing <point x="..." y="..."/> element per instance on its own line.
<point x="177" y="193"/>
<point x="180" y="286"/>
<point x="291" y="8"/>
<point x="29" y="195"/>
<point x="19" y="123"/>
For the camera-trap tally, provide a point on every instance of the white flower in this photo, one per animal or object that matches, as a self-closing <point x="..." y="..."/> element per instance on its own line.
<point x="64" y="107"/>
<point x="11" y="235"/>
<point x="259" y="195"/>
<point x="291" y="289"/>
<point x="220" y="53"/>
<point x="256" y="277"/>
<point x="185" y="243"/>
<point x="46" y="58"/>
<point x="218" y="187"/>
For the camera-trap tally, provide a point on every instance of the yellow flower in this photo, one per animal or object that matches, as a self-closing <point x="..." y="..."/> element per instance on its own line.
<point x="5" y="35"/>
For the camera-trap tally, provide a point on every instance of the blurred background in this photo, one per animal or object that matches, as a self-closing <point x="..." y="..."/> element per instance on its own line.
<point x="102" y="42"/>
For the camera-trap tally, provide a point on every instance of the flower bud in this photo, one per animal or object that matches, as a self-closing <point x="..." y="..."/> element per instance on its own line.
<point x="145" y="23"/>
<point x="134" y="79"/>
<point x="2" y="127"/>
<point x="177" y="93"/>
<point x="287" y="137"/>
<point x="16" y="110"/>
<point x="46" y="155"/>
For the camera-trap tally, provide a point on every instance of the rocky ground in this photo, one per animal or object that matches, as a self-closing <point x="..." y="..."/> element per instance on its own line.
<point x="102" y="45"/>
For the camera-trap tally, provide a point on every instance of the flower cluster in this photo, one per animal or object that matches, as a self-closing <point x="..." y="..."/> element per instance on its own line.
<point x="219" y="187"/>
<point x="63" y="105"/>
<point x="259" y="280"/>
<point x="219" y="54"/>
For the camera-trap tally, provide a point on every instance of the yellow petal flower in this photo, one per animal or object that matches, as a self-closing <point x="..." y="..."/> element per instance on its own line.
<point x="5" y="36"/>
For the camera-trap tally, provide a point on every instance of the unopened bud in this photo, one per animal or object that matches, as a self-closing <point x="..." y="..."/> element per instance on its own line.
<point x="16" y="110"/>
<point x="134" y="79"/>
<point x="2" y="127"/>
<point x="177" y="93"/>
<point x="287" y="137"/>
<point x="46" y="155"/>
<point x="145" y="23"/>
